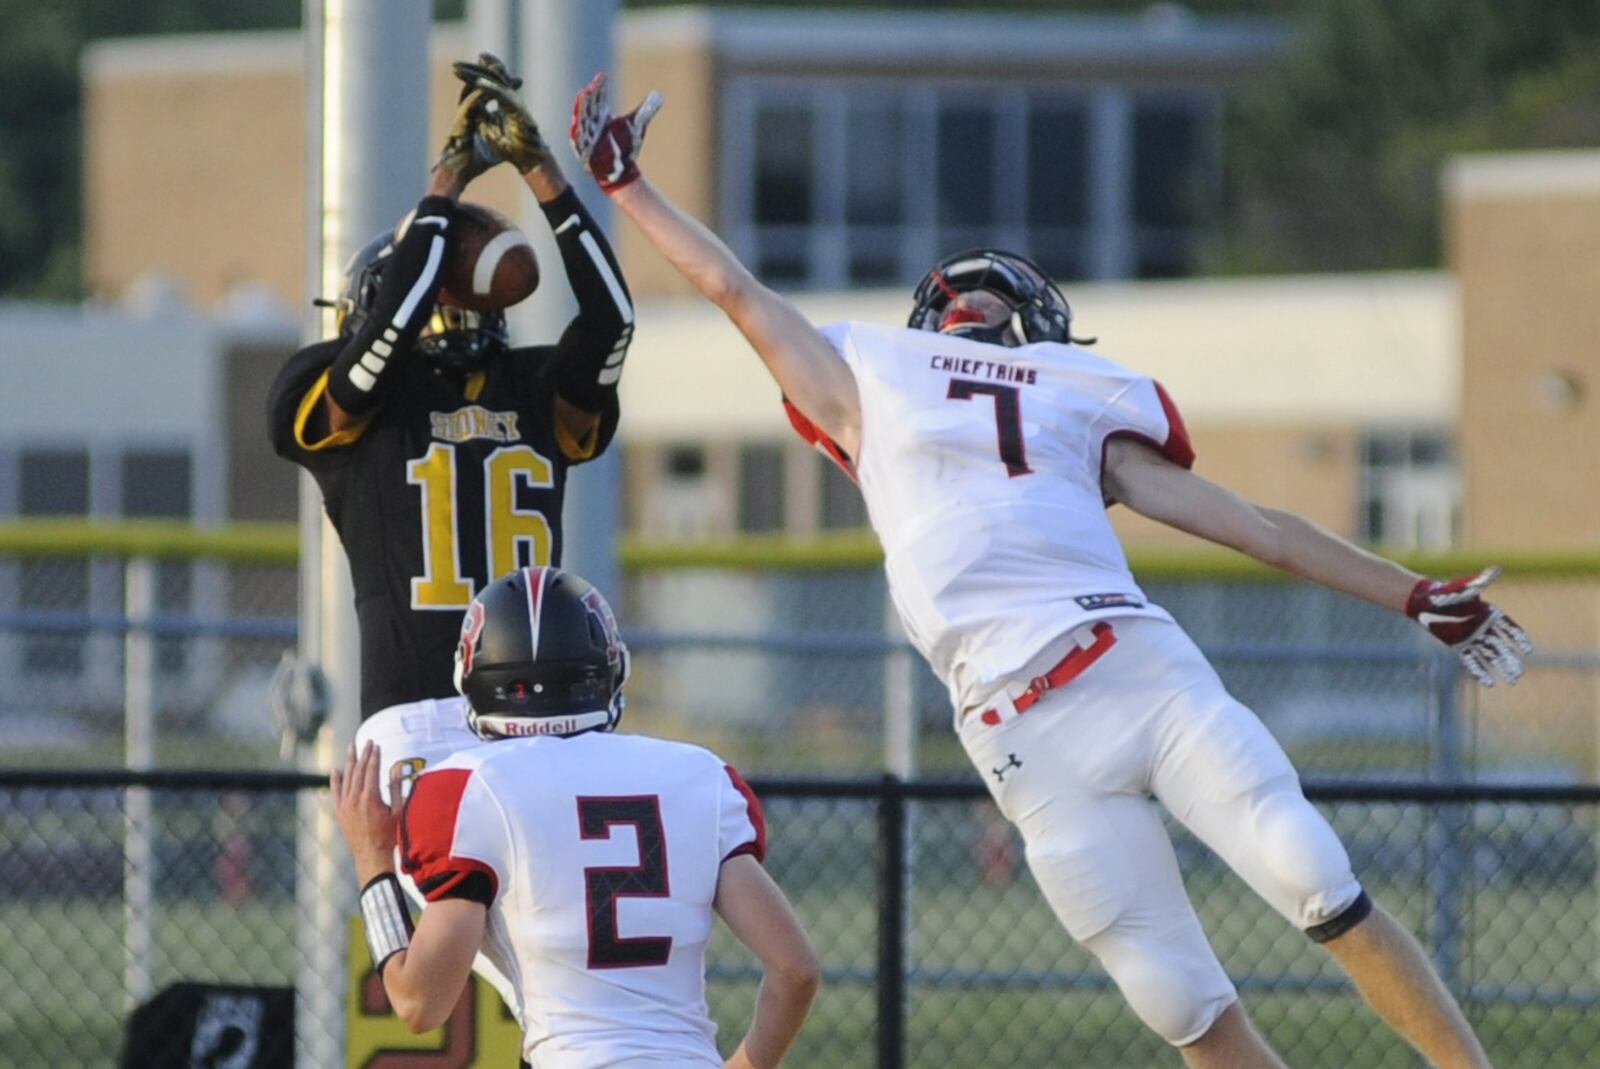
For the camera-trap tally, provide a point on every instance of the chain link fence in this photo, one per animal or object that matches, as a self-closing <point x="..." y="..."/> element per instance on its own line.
<point x="936" y="947"/>
<point x="113" y="887"/>
<point x="810" y="673"/>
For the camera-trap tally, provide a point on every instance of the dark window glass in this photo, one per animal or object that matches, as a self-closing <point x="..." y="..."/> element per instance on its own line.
<point x="1060" y="253"/>
<point x="761" y="488"/>
<point x="874" y="268"/>
<point x="155" y="484"/>
<point x="966" y="166"/>
<point x="783" y="165"/>
<point x="1058" y="165"/>
<point x="875" y="140"/>
<point x="1430" y="449"/>
<point x="685" y="462"/>
<point x="842" y="507"/>
<point x="1167" y="178"/>
<point x="55" y="482"/>
<point x="780" y="267"/>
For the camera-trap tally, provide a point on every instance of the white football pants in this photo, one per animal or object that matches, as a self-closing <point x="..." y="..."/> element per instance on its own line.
<point x="1080" y="773"/>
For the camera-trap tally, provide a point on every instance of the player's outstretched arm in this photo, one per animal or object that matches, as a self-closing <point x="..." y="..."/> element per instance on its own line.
<point x="1488" y="641"/>
<point x="424" y="970"/>
<point x="805" y="366"/>
<point x="756" y="911"/>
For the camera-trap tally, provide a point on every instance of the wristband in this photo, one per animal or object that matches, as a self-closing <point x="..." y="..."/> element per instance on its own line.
<point x="388" y="921"/>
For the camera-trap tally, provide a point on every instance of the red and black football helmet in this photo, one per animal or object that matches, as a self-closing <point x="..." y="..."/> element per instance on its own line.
<point x="1038" y="310"/>
<point x="453" y="340"/>
<point x="539" y="654"/>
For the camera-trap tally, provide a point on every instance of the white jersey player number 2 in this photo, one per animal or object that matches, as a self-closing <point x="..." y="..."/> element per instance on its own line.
<point x="604" y="885"/>
<point x="1007" y="419"/>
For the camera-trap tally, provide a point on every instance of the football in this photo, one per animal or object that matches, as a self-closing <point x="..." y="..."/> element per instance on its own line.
<point x="491" y="264"/>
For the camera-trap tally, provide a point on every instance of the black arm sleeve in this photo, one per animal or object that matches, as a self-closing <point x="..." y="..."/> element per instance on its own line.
<point x="588" y="359"/>
<point x="403" y="304"/>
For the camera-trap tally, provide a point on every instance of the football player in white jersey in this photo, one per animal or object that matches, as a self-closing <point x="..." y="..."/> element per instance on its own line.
<point x="987" y="443"/>
<point x="585" y="865"/>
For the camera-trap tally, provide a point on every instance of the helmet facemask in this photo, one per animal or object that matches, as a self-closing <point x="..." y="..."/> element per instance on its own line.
<point x="457" y="341"/>
<point x="1038" y="311"/>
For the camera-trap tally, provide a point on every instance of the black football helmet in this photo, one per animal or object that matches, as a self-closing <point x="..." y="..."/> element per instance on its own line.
<point x="453" y="340"/>
<point x="539" y="654"/>
<point x="1038" y="310"/>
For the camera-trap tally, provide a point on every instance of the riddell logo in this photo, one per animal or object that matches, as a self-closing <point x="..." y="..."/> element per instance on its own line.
<point x="555" y="726"/>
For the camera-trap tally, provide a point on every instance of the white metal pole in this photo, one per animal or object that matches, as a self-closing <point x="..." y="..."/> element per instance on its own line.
<point x="367" y="80"/>
<point x="138" y="876"/>
<point x="564" y="42"/>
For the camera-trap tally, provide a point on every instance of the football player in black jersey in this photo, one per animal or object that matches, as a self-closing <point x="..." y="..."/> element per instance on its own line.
<point x="442" y="452"/>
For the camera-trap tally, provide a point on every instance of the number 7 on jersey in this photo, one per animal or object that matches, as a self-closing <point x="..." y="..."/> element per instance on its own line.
<point x="1007" y="419"/>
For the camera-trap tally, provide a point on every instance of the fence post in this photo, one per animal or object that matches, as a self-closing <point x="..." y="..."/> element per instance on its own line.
<point x="891" y="923"/>
<point x="138" y="854"/>
<point x="1448" y="824"/>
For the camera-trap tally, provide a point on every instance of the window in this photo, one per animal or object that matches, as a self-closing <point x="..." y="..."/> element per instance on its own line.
<point x="1170" y="183"/>
<point x="67" y="482"/>
<point x="1410" y="489"/>
<point x="54" y="482"/>
<point x="156" y="485"/>
<point x="761" y="491"/>
<point x="1058" y="187"/>
<point x="832" y="182"/>
<point x="842" y="506"/>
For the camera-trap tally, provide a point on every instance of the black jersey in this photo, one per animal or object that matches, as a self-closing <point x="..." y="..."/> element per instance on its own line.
<point x="449" y="485"/>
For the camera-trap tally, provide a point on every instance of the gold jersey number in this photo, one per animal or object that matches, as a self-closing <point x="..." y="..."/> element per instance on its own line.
<point x="508" y="530"/>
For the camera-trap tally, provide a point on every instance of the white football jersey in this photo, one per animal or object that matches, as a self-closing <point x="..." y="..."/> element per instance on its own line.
<point x="980" y="465"/>
<point x="598" y="857"/>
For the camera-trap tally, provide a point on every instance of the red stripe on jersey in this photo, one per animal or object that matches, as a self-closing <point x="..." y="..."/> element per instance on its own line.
<point x="813" y="435"/>
<point x="758" y="819"/>
<point x="427" y="840"/>
<point x="1177" y="447"/>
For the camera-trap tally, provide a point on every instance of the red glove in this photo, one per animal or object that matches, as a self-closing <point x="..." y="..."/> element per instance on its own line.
<point x="609" y="144"/>
<point x="1489" y="642"/>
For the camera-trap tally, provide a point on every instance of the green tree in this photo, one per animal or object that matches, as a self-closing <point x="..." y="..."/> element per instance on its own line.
<point x="1334" y="157"/>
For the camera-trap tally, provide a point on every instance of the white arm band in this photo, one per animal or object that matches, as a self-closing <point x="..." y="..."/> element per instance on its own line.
<point x="388" y="921"/>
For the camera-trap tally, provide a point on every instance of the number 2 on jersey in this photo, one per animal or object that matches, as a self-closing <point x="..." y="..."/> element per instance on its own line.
<point x="604" y="885"/>
<point x="507" y="528"/>
<point x="1007" y="419"/>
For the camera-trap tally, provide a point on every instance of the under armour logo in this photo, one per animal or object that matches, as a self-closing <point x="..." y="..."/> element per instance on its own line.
<point x="1000" y="773"/>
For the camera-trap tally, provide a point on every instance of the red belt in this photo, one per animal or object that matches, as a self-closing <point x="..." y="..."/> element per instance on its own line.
<point x="1070" y="667"/>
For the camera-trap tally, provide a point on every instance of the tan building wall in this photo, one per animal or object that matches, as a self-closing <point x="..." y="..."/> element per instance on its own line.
<point x="202" y="178"/>
<point x="1524" y="237"/>
<point x="192" y="175"/>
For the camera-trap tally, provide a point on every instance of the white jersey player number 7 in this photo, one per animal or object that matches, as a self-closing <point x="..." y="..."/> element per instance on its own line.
<point x="980" y="466"/>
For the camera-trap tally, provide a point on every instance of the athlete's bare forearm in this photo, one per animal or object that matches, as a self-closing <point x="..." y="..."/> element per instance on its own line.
<point x="1315" y="553"/>
<point x="781" y="1007"/>
<point x="799" y="358"/>
<point x="1153" y="486"/>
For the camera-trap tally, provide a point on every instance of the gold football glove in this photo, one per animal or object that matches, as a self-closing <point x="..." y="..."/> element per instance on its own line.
<point x="503" y="120"/>
<point x="466" y="153"/>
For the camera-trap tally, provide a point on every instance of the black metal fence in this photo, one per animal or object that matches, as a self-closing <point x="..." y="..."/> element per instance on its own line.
<point x="937" y="949"/>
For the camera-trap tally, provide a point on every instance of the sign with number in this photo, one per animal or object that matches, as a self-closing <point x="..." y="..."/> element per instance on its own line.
<point x="479" y="1034"/>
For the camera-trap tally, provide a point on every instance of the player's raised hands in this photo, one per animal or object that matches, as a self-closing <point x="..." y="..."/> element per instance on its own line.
<point x="609" y="144"/>
<point x="366" y="821"/>
<point x="489" y="72"/>
<point x="466" y="154"/>
<point x="1489" y="642"/>
<point x="501" y="118"/>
